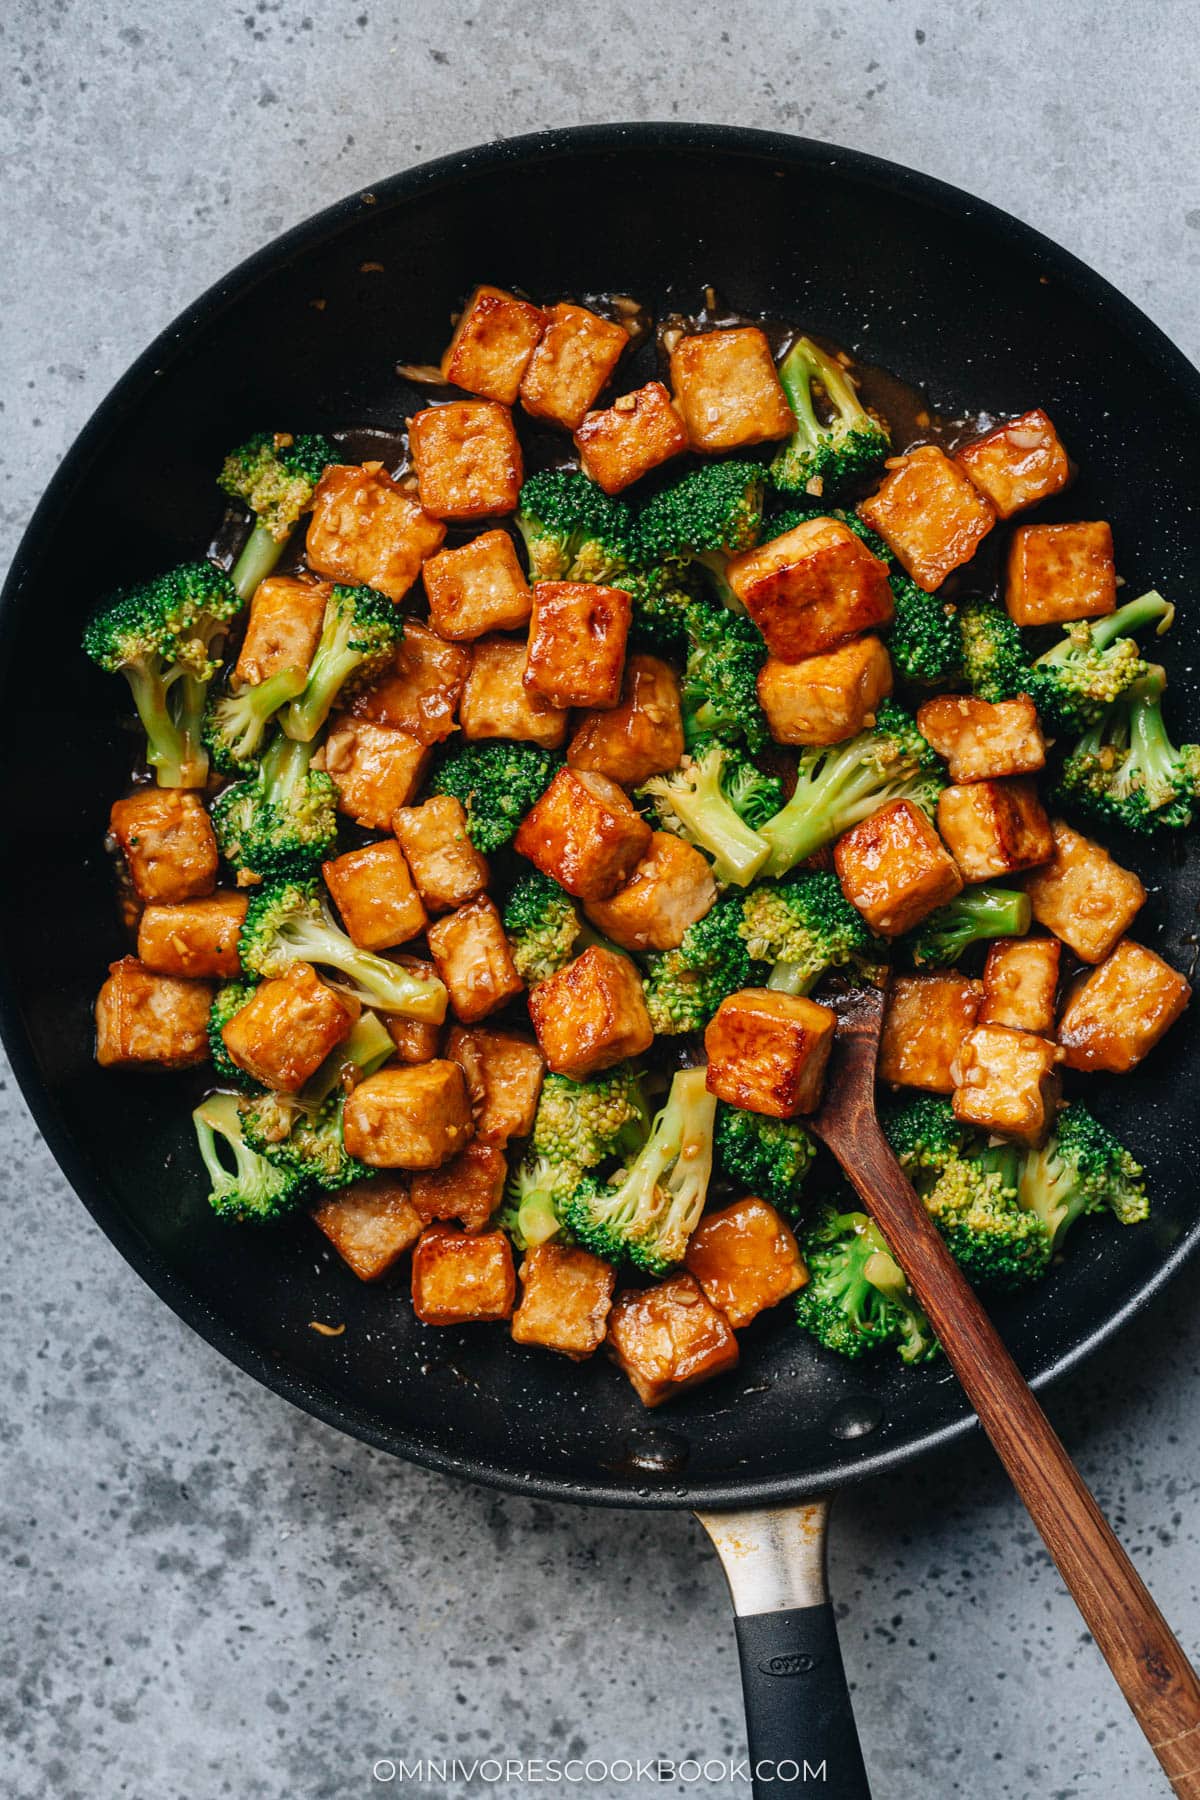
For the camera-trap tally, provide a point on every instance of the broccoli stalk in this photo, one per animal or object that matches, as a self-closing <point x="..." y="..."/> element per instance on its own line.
<point x="714" y="513"/>
<point x="359" y="635"/>
<point x="1094" y="662"/>
<point x="542" y="925"/>
<point x="764" y="1156"/>
<point x="1082" y="1169"/>
<point x="822" y="455"/>
<point x="254" y="1189"/>
<point x="282" y="819"/>
<point x="856" y="1298"/>
<point x="684" y="987"/>
<point x="578" y="1125"/>
<point x="719" y="691"/>
<point x="696" y="802"/>
<point x="275" y="475"/>
<point x="287" y="922"/>
<point x="497" y="782"/>
<point x="532" y="1197"/>
<point x="235" y="724"/>
<point x="1127" y="769"/>
<point x="977" y="913"/>
<point x="802" y="928"/>
<point x="572" y="530"/>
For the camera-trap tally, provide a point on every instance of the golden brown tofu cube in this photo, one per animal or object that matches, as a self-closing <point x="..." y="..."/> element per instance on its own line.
<point x="1060" y="572"/>
<point x="565" y="1299"/>
<point x="727" y="390"/>
<point x="468" y="1188"/>
<point x="577" y="642"/>
<point x="474" y="960"/>
<point x="194" y="938"/>
<point x="811" y="587"/>
<point x="504" y="1072"/>
<point x="1020" y="981"/>
<point x="370" y="1224"/>
<point x="416" y="1040"/>
<point x="994" y="827"/>
<point x="767" y="1052"/>
<point x="1017" y="464"/>
<point x="746" y="1259"/>
<point x="288" y="1027"/>
<point x="143" y="1017"/>
<point x="578" y="352"/>
<point x="669" y="890"/>
<point x="591" y="1014"/>
<point x="930" y="514"/>
<point x="286" y="615"/>
<point x="367" y="529"/>
<point x="459" y="1279"/>
<point x="642" y="735"/>
<point x="1007" y="1082"/>
<point x="895" y="869"/>
<point x="442" y="860"/>
<point x="374" y="768"/>
<point x="168" y="844"/>
<point x="1083" y="896"/>
<point x="927" y="1019"/>
<point x="492" y="344"/>
<point x="374" y="893"/>
<point x="467" y="458"/>
<point x="496" y="702"/>
<point x="823" y="699"/>
<point x="629" y="438"/>
<point x="477" y="587"/>
<point x="422" y="692"/>
<point x="668" y="1338"/>
<point x="982" y="740"/>
<point x="1117" y="1014"/>
<point x="584" y="834"/>
<point x="408" y="1118"/>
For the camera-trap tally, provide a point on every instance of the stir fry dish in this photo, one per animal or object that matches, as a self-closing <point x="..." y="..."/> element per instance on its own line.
<point x="502" y="810"/>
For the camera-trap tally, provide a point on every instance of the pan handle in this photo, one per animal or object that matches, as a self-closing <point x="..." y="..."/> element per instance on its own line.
<point x="799" y="1720"/>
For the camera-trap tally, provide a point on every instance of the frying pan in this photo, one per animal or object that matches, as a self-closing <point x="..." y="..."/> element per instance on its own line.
<point x="946" y="292"/>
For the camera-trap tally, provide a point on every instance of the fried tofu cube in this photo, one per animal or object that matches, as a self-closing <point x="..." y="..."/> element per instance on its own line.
<point x="370" y="1224"/>
<point x="416" y="1040"/>
<point x="286" y="615"/>
<point x="374" y="768"/>
<point x="746" y="1259"/>
<point x="565" y="1299"/>
<point x="1017" y="464"/>
<point x="584" y="834"/>
<point x="811" y="587"/>
<point x="1060" y="572"/>
<point x="629" y="438"/>
<point x="767" y="1052"/>
<point x="288" y="1027"/>
<point x="194" y="938"/>
<point x="497" y="703"/>
<point x="824" y="699"/>
<point x="577" y="642"/>
<point x="1007" y="1082"/>
<point x="995" y="827"/>
<point x="930" y="514"/>
<point x="642" y="735"/>
<point x="591" y="1014"/>
<point x="374" y="893"/>
<point x="462" y="1280"/>
<point x="984" y="740"/>
<point x="577" y="353"/>
<point x="144" y="1017"/>
<point x="367" y="529"/>
<point x="473" y="958"/>
<point x="422" y="691"/>
<point x="477" y="587"/>
<point x="669" y="1337"/>
<point x="1020" y="982"/>
<point x="1083" y="896"/>
<point x="927" y="1019"/>
<point x="168" y="843"/>
<point x="493" y="341"/>
<point x="504" y="1071"/>
<point x="467" y="458"/>
<point x="467" y="1189"/>
<point x="895" y="869"/>
<point x="1119" y="1011"/>
<point x="408" y="1118"/>
<point x="442" y="860"/>
<point x="727" y="390"/>
<point x="669" y="890"/>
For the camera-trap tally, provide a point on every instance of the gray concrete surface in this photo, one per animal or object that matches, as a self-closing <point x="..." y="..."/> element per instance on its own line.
<point x="207" y="1594"/>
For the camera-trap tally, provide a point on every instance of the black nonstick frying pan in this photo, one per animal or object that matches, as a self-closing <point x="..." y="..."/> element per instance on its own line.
<point x="944" y="291"/>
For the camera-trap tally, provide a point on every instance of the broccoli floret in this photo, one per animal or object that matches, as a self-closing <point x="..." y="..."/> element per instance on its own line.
<point x="924" y="1134"/>
<point x="254" y="1189"/>
<point x="573" y="530"/>
<point x="661" y="599"/>
<point x="684" y="987"/>
<point x="1093" y="663"/>
<point x="303" y="1132"/>
<point x="763" y="1156"/>
<point x="802" y="928"/>
<point x="534" y="1193"/>
<point x="161" y="636"/>
<point x="1127" y="769"/>
<point x="287" y="922"/>
<point x="714" y="513"/>
<point x="542" y="925"/>
<point x="275" y="475"/>
<point x="282" y="819"/>
<point x="977" y="913"/>
<point x="578" y="1124"/>
<point x="697" y="802"/>
<point x="856" y="1298"/>
<point x="754" y="796"/>
<point x="1082" y="1169"/>
<point x="823" y="454"/>
<point x="994" y="662"/>
<point x="359" y="635"/>
<point x="236" y="725"/>
<point x="497" y="783"/>
<point x="719" y="692"/>
<point x="229" y="998"/>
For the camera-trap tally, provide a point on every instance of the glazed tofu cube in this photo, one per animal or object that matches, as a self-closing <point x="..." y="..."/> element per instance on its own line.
<point x="168" y="844"/>
<point x="727" y="390"/>
<point x="930" y="514"/>
<point x="591" y="1014"/>
<point x="584" y="834"/>
<point x="927" y="1019"/>
<point x="143" y="1017"/>
<point x="288" y="1027"/>
<point x="823" y="699"/>
<point x="416" y="1040"/>
<point x="474" y="960"/>
<point x="1020" y="981"/>
<point x="503" y="1071"/>
<point x="370" y="1224"/>
<point x="668" y="1338"/>
<point x="982" y="740"/>
<point x="422" y="692"/>
<point x="493" y="341"/>
<point x="442" y="860"/>
<point x="1017" y="464"/>
<point x="478" y="587"/>
<point x="642" y="735"/>
<point x="1083" y="896"/>
<point x="194" y="938"/>
<point x="578" y="352"/>
<point x="565" y="1299"/>
<point x="669" y="890"/>
<point x="408" y="1118"/>
<point x="374" y="893"/>
<point x="994" y="827"/>
<point x="462" y="1280"/>
<point x="467" y="458"/>
<point x="367" y="529"/>
<point x="811" y="587"/>
<point x="746" y="1259"/>
<point x="629" y="438"/>
<point x="895" y="869"/>
<point x="467" y="1189"/>
<point x="577" y="642"/>
<point x="1119" y="1011"/>
<point x="1007" y="1082"/>
<point x="286" y="615"/>
<point x="767" y="1052"/>
<point x="1061" y="572"/>
<point x="374" y="768"/>
<point x="496" y="702"/>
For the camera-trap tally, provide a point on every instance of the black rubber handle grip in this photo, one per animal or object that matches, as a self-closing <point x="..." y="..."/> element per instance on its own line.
<point x="799" y="1720"/>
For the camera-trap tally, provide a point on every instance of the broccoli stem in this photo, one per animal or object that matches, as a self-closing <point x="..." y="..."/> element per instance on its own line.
<point x="1148" y="609"/>
<point x="817" y="811"/>
<point x="168" y="751"/>
<point x="388" y="986"/>
<point x="803" y="364"/>
<point x="258" y="556"/>
<point x="792" y="978"/>
<point x="306" y="715"/>
<point x="738" y="853"/>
